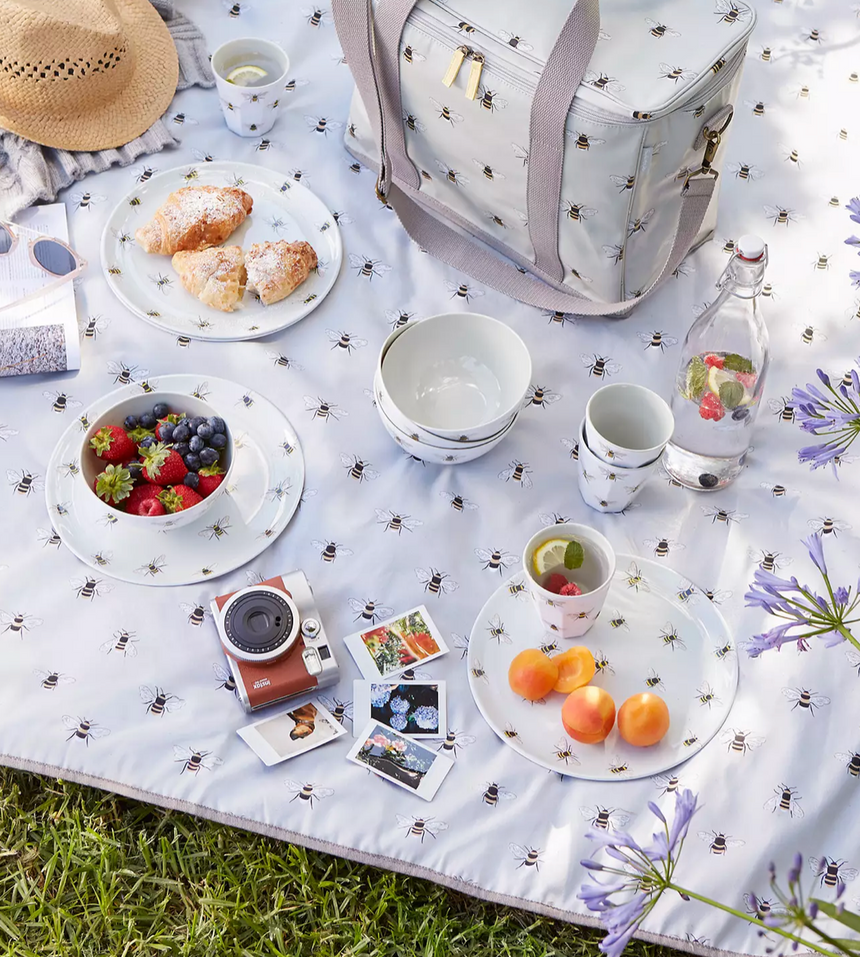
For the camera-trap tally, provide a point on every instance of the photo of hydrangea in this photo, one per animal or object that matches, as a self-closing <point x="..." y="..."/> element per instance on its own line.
<point x="410" y="708"/>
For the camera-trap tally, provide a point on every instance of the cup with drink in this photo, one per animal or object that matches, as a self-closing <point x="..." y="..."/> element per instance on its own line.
<point x="250" y="74"/>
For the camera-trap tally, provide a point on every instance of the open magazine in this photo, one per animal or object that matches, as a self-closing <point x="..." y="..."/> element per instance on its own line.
<point x="40" y="334"/>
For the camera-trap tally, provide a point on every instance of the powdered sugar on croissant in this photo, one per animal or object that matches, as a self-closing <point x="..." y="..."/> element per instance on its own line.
<point x="194" y="218"/>
<point x="276" y="269"/>
<point x="216" y="276"/>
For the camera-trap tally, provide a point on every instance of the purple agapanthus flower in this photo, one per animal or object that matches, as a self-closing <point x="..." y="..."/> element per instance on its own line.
<point x="854" y="276"/>
<point x="852" y="241"/>
<point x="644" y="873"/>
<point x="831" y="413"/>
<point x="853" y="205"/>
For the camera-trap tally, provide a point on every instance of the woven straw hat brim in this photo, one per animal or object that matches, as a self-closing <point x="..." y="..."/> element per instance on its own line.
<point x="135" y="108"/>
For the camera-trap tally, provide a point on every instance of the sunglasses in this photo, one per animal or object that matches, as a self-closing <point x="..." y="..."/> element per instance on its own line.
<point x="47" y="254"/>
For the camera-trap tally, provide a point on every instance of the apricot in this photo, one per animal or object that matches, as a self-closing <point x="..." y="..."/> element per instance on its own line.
<point x="532" y="674"/>
<point x="588" y="714"/>
<point x="643" y="719"/>
<point x="575" y="669"/>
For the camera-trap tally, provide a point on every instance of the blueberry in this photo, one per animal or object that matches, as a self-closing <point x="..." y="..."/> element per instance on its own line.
<point x="197" y="421"/>
<point x="161" y="410"/>
<point x="740" y="414"/>
<point x="147" y="421"/>
<point x="192" y="462"/>
<point x="182" y="448"/>
<point x="191" y="479"/>
<point x="136" y="470"/>
<point x="209" y="456"/>
<point x="130" y="422"/>
<point x="146" y="442"/>
<point x="181" y="433"/>
<point x="708" y="480"/>
<point x="218" y="440"/>
<point x="166" y="431"/>
<point x="205" y="431"/>
<point x="218" y="424"/>
<point x="195" y="443"/>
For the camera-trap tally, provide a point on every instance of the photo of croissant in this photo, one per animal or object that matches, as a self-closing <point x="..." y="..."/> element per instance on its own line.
<point x="195" y="218"/>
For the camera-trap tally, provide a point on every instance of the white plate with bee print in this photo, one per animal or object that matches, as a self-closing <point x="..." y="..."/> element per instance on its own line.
<point x="283" y="209"/>
<point x="265" y="490"/>
<point x="657" y="632"/>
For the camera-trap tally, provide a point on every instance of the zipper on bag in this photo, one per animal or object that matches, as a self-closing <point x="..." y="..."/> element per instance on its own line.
<point x="460" y="54"/>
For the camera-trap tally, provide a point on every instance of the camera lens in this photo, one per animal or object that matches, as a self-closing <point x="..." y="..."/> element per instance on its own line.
<point x="259" y="623"/>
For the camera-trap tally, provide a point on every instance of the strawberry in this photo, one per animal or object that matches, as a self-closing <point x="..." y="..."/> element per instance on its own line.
<point x="162" y="466"/>
<point x="712" y="360"/>
<point x="571" y="588"/>
<point x="139" y="434"/>
<point x="114" y="485"/>
<point x="210" y="477"/>
<point x="144" y="501"/>
<point x="711" y="407"/>
<point x="178" y="498"/>
<point x="746" y="379"/>
<point x="555" y="583"/>
<point x="112" y="444"/>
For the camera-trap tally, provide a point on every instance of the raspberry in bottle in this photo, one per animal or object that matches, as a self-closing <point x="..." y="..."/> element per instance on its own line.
<point x="721" y="376"/>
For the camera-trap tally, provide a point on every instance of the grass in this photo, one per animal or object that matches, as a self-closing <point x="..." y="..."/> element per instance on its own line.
<point x="84" y="873"/>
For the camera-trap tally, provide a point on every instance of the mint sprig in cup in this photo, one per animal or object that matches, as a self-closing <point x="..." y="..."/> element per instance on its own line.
<point x="584" y="562"/>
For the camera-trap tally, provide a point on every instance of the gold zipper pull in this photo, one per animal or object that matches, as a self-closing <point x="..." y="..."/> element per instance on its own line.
<point x="460" y="54"/>
<point x="474" y="76"/>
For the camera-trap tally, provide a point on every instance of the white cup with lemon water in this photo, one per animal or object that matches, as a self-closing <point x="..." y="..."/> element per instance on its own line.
<point x="569" y="616"/>
<point x="250" y="74"/>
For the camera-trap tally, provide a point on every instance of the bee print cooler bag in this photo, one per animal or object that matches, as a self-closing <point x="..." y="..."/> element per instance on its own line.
<point x="581" y="141"/>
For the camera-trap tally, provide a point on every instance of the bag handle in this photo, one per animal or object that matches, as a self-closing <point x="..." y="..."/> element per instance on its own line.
<point x="371" y="43"/>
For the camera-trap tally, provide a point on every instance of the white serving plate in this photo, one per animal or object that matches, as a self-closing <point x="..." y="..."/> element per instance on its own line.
<point x="264" y="492"/>
<point x="283" y="209"/>
<point x="634" y="653"/>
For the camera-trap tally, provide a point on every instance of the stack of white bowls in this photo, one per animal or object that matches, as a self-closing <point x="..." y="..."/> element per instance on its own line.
<point x="450" y="387"/>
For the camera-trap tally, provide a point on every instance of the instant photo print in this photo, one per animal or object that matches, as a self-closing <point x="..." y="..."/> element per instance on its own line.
<point x="417" y="709"/>
<point x="394" y="646"/>
<point x="302" y="728"/>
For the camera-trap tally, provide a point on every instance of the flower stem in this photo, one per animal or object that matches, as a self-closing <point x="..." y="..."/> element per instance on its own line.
<point x="751" y="919"/>
<point x="846" y="634"/>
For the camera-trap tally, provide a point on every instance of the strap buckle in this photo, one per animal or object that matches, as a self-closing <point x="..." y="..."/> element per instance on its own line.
<point x="713" y="139"/>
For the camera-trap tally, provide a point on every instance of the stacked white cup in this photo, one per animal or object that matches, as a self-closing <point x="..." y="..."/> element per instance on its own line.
<point x="621" y="441"/>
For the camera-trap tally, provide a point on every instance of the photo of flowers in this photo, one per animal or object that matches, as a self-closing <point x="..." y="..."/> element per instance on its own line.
<point x="389" y="754"/>
<point x="410" y="708"/>
<point x="401" y="643"/>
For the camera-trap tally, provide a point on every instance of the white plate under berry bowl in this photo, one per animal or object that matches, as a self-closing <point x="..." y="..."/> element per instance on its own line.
<point x="283" y="209"/>
<point x="657" y="632"/>
<point x="264" y="492"/>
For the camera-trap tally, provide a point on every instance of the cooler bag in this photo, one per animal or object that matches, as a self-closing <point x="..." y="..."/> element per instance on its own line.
<point x="583" y="143"/>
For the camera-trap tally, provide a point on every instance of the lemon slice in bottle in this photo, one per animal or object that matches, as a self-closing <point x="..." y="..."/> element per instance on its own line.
<point x="246" y="75"/>
<point x="549" y="555"/>
<point x="717" y="377"/>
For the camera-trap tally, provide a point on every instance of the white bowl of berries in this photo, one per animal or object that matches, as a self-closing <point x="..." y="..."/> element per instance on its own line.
<point x="158" y="460"/>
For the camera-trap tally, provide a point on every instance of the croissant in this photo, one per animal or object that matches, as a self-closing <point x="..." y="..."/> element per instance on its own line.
<point x="216" y="276"/>
<point x="195" y="217"/>
<point x="276" y="269"/>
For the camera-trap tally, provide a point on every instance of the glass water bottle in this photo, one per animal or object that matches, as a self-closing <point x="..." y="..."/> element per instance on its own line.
<point x="721" y="377"/>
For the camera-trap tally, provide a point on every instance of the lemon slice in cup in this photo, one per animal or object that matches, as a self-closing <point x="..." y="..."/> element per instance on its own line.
<point x="549" y="555"/>
<point x="246" y="75"/>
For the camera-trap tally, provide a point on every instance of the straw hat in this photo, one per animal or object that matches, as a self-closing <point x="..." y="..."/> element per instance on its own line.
<point x="84" y="74"/>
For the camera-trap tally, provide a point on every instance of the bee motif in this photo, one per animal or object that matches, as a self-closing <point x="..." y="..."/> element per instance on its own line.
<point x="196" y="613"/>
<point x="657" y="340"/>
<point x="436" y="582"/>
<point x="660" y="30"/>
<point x="690" y="739"/>
<point x="490" y="100"/>
<point x="606" y="818"/>
<point x="87" y="200"/>
<point x="226" y="680"/>
<point x="444" y="113"/>
<point x="322" y="409"/>
<point x="308" y="793"/>
<point x="635" y="580"/>
<point x="675" y="73"/>
<point x="653" y="680"/>
<point x="572" y="447"/>
<point x="785" y="798"/>
<point x="599" y="367"/>
<point x="411" y="55"/>
<point x="831" y="871"/>
<point x="726" y="516"/>
<point x="745" y="171"/>
<point x="19" y="623"/>
<point x="769" y="561"/>
<point x="93" y="327"/>
<point x="370" y="611"/>
<point x="339" y="709"/>
<point x="806" y="699"/>
<point x="729" y="12"/>
<point x="718" y="842"/>
<point x="141" y="174"/>
<point x="494" y="792"/>
<point x="638" y="225"/>
<point x="49" y="537"/>
<point x="122" y="642"/>
<point x="317" y="17"/>
<point x="50" y="680"/>
<point x="741" y="742"/>
<point x="828" y="526"/>
<point x="614" y="252"/>
<point x="24" y="482"/>
<point x="563" y="752"/>
<point x="216" y="530"/>
<point x="781" y="216"/>
<point x="158" y="701"/>
<point x="577" y="212"/>
<point x="322" y="124"/>
<point x="706" y="697"/>
<point x="464" y="27"/>
<point x="367" y="267"/>
<point x="527" y="856"/>
<point x="662" y="546"/>
<point x="584" y="141"/>
<point x="517" y="472"/>
<point x="463" y="291"/>
<point x="84" y="729"/>
<point x="723" y="651"/>
<point x="291" y="85"/>
<point x="152" y="568"/>
<point x="670" y="637"/>
<point x="496" y="559"/>
<point x="496" y="630"/>
<point x="455" y="740"/>
<point x="600" y="81"/>
<point x="420" y="827"/>
<point x="192" y="759"/>
<point x="766" y="54"/>
<point x="783" y="408"/>
<point x="329" y="551"/>
<point x="618" y="768"/>
<point x="413" y="124"/>
<point x="123" y="374"/>
<point x="757" y="107"/>
<point x="813" y="35"/>
<point x="762" y="907"/>
<point x="89" y="588"/>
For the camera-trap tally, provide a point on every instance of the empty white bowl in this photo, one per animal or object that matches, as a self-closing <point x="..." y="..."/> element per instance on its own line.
<point x="458" y="375"/>
<point x="92" y="465"/>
